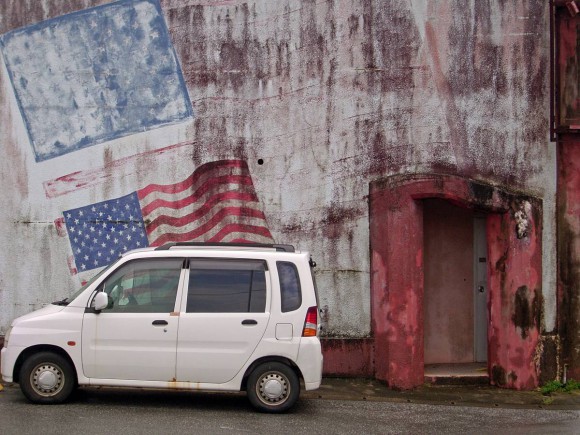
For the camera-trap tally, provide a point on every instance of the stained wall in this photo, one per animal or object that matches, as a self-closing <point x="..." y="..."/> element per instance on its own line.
<point x="317" y="99"/>
<point x="569" y="253"/>
<point x="567" y="126"/>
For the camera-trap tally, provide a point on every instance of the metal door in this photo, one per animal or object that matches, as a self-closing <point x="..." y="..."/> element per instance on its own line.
<point x="480" y="290"/>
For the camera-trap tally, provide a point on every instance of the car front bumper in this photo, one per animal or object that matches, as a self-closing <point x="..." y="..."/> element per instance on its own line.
<point x="8" y="358"/>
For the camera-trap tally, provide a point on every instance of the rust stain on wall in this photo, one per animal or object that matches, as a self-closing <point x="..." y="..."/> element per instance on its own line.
<point x="332" y="96"/>
<point x="24" y="12"/>
<point x="569" y="252"/>
<point x="569" y="70"/>
<point x="15" y="170"/>
<point x="548" y="358"/>
<point x="527" y="312"/>
<point x="361" y="359"/>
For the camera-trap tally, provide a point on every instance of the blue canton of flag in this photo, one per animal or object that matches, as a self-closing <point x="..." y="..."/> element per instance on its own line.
<point x="100" y="74"/>
<point x="100" y="232"/>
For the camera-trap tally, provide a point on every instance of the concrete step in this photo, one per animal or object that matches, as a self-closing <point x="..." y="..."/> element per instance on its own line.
<point x="457" y="374"/>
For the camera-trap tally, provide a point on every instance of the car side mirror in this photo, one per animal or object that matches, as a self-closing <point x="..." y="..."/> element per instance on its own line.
<point x="101" y="301"/>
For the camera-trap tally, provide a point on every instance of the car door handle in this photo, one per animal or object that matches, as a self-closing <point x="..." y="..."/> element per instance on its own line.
<point x="249" y="322"/>
<point x="159" y="323"/>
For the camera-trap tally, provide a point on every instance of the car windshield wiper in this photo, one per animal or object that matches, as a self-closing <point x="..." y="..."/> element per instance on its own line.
<point x="62" y="303"/>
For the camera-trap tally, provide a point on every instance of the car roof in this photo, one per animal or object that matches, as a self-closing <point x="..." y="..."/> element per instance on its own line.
<point x="204" y="246"/>
<point x="229" y="246"/>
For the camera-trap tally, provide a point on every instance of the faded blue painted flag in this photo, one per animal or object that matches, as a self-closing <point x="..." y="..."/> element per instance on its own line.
<point x="99" y="233"/>
<point x="95" y="75"/>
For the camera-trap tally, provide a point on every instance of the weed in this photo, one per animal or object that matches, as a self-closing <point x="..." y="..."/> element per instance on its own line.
<point x="547" y="400"/>
<point x="551" y="387"/>
<point x="572" y="385"/>
<point x="558" y="387"/>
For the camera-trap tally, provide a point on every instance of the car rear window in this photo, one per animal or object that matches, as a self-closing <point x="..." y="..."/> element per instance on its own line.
<point x="290" y="291"/>
<point x="226" y="286"/>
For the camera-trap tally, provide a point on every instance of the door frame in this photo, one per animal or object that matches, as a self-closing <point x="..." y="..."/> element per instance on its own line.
<point x="397" y="280"/>
<point x="480" y="289"/>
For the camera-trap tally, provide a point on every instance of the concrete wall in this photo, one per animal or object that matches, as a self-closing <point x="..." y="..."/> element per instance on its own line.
<point x="569" y="252"/>
<point x="318" y="99"/>
<point x="567" y="93"/>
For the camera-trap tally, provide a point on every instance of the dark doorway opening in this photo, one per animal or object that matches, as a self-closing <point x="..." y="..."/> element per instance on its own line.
<point x="455" y="292"/>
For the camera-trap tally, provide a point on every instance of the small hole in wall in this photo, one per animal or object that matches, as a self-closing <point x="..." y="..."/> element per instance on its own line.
<point x="260" y="161"/>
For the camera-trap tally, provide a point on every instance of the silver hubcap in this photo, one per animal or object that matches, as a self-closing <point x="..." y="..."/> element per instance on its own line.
<point x="47" y="379"/>
<point x="273" y="388"/>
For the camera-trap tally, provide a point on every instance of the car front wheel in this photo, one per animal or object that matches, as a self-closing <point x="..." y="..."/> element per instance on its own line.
<point x="47" y="378"/>
<point x="273" y="387"/>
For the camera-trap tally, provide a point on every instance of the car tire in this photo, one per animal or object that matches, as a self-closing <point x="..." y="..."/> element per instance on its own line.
<point x="273" y="387"/>
<point x="47" y="378"/>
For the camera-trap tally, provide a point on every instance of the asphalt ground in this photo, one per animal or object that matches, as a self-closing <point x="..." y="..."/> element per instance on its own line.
<point x="360" y="389"/>
<point x="137" y="411"/>
<point x="463" y="395"/>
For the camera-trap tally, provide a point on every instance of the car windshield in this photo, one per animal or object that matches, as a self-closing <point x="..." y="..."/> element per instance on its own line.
<point x="72" y="297"/>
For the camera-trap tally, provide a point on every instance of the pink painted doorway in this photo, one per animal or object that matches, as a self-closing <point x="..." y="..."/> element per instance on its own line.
<point x="513" y="264"/>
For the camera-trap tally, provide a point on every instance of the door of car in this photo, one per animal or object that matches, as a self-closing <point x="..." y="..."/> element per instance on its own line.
<point x="223" y="318"/>
<point x="135" y="337"/>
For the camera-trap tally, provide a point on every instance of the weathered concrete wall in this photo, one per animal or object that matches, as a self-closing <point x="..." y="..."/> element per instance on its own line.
<point x="319" y="99"/>
<point x="569" y="251"/>
<point x="568" y="68"/>
<point x="567" y="94"/>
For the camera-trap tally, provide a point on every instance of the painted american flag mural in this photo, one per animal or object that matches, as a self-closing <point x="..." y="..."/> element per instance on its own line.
<point x="100" y="74"/>
<point x="217" y="203"/>
<point x="105" y="73"/>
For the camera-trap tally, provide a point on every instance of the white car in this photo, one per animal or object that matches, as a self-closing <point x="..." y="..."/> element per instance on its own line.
<point x="216" y="317"/>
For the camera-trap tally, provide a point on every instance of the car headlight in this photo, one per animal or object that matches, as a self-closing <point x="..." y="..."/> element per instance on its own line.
<point x="7" y="336"/>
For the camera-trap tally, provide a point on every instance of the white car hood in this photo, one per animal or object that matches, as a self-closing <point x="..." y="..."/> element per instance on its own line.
<point x="49" y="309"/>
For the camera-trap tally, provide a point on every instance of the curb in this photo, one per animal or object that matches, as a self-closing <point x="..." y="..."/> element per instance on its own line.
<point x="357" y="389"/>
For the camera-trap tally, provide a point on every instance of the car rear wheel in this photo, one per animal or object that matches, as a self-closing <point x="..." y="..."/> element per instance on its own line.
<point x="273" y="387"/>
<point x="47" y="378"/>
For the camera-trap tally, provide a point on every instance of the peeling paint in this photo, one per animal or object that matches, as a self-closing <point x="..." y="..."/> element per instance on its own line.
<point x="569" y="253"/>
<point x="569" y="70"/>
<point x="526" y="312"/>
<point x="498" y="376"/>
<point x="521" y="218"/>
<point x="397" y="286"/>
<point x="332" y="97"/>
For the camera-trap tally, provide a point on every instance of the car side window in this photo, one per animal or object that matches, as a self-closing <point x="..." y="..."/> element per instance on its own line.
<point x="144" y="286"/>
<point x="226" y="286"/>
<point x="290" y="291"/>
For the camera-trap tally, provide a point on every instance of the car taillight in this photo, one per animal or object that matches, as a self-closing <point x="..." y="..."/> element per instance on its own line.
<point x="311" y="323"/>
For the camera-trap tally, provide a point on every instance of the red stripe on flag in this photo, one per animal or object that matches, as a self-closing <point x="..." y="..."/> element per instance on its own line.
<point x="191" y="181"/>
<point x="241" y="240"/>
<point x="200" y="212"/>
<point x="60" y="226"/>
<point x="71" y="265"/>
<point x="210" y="224"/>
<point x="237" y="228"/>
<point x="207" y="186"/>
<point x="201" y="208"/>
<point x="116" y="168"/>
